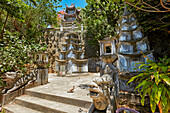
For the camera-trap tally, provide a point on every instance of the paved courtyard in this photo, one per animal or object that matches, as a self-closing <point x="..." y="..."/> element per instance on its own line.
<point x="60" y="85"/>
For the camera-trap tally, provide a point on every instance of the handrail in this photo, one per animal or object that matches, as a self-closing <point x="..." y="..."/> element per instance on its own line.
<point x="19" y="82"/>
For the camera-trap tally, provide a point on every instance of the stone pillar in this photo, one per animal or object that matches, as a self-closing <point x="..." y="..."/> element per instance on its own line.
<point x="42" y="76"/>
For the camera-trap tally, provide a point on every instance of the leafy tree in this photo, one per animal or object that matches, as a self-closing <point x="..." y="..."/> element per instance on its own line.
<point x="99" y="18"/>
<point x="22" y="23"/>
<point x="155" y="25"/>
<point x="154" y="80"/>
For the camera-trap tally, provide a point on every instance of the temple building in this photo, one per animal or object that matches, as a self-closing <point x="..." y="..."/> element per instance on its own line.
<point x="71" y="56"/>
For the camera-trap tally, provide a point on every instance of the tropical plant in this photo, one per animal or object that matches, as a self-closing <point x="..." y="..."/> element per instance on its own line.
<point x="154" y="80"/>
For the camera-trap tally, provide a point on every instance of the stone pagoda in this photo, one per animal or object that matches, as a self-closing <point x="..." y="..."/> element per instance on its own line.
<point x="132" y="45"/>
<point x="71" y="56"/>
<point x="121" y="53"/>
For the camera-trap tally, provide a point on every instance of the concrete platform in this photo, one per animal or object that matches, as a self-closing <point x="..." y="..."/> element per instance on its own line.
<point x="53" y="97"/>
<point x="60" y="85"/>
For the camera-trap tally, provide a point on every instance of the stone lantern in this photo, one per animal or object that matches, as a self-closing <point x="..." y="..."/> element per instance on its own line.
<point x="108" y="55"/>
<point x="41" y="59"/>
<point x="108" y="49"/>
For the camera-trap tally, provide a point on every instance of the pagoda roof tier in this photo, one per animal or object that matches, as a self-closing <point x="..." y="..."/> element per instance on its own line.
<point x="74" y="51"/>
<point x="73" y="14"/>
<point x="70" y="22"/>
<point x="74" y="60"/>
<point x="133" y="41"/>
<point x="127" y="27"/>
<point x="70" y="7"/>
<point x="69" y="15"/>
<point x="79" y="60"/>
<point x="62" y="61"/>
<point x="127" y="18"/>
<point x="107" y="39"/>
<point x="135" y="54"/>
<point x="79" y="19"/>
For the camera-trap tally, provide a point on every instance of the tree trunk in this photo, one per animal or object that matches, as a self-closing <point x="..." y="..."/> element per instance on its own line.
<point x="4" y="26"/>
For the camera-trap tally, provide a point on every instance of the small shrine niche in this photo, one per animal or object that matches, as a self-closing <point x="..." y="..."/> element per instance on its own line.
<point x="107" y="46"/>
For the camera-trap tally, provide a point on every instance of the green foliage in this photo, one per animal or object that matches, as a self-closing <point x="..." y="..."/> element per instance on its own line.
<point x="99" y="18"/>
<point x="155" y="81"/>
<point x="22" y="23"/>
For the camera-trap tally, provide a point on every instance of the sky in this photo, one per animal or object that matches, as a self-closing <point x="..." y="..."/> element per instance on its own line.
<point x="78" y="3"/>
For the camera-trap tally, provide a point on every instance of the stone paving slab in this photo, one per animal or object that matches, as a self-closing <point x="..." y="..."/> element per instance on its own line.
<point x="60" y="85"/>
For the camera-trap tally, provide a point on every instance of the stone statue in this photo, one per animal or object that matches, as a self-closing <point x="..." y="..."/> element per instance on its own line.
<point x="103" y="90"/>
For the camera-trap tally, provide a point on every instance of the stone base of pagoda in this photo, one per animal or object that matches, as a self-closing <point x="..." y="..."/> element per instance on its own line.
<point x="77" y="74"/>
<point x="72" y="66"/>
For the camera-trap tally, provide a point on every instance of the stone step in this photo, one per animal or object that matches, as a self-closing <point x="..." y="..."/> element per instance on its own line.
<point x="15" y="108"/>
<point x="60" y="98"/>
<point x="47" y="106"/>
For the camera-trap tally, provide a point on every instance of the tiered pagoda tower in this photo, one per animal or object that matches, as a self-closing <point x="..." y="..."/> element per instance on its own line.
<point x="71" y="56"/>
<point x="70" y="15"/>
<point x="131" y="48"/>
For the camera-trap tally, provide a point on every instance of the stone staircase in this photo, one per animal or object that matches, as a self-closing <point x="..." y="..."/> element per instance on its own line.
<point x="53" y="97"/>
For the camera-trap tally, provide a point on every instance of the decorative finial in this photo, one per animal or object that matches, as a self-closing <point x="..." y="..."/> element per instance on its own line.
<point x="126" y="12"/>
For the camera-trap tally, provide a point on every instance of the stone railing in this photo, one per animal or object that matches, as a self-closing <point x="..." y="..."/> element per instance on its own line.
<point x="15" y="84"/>
<point x="14" y="80"/>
